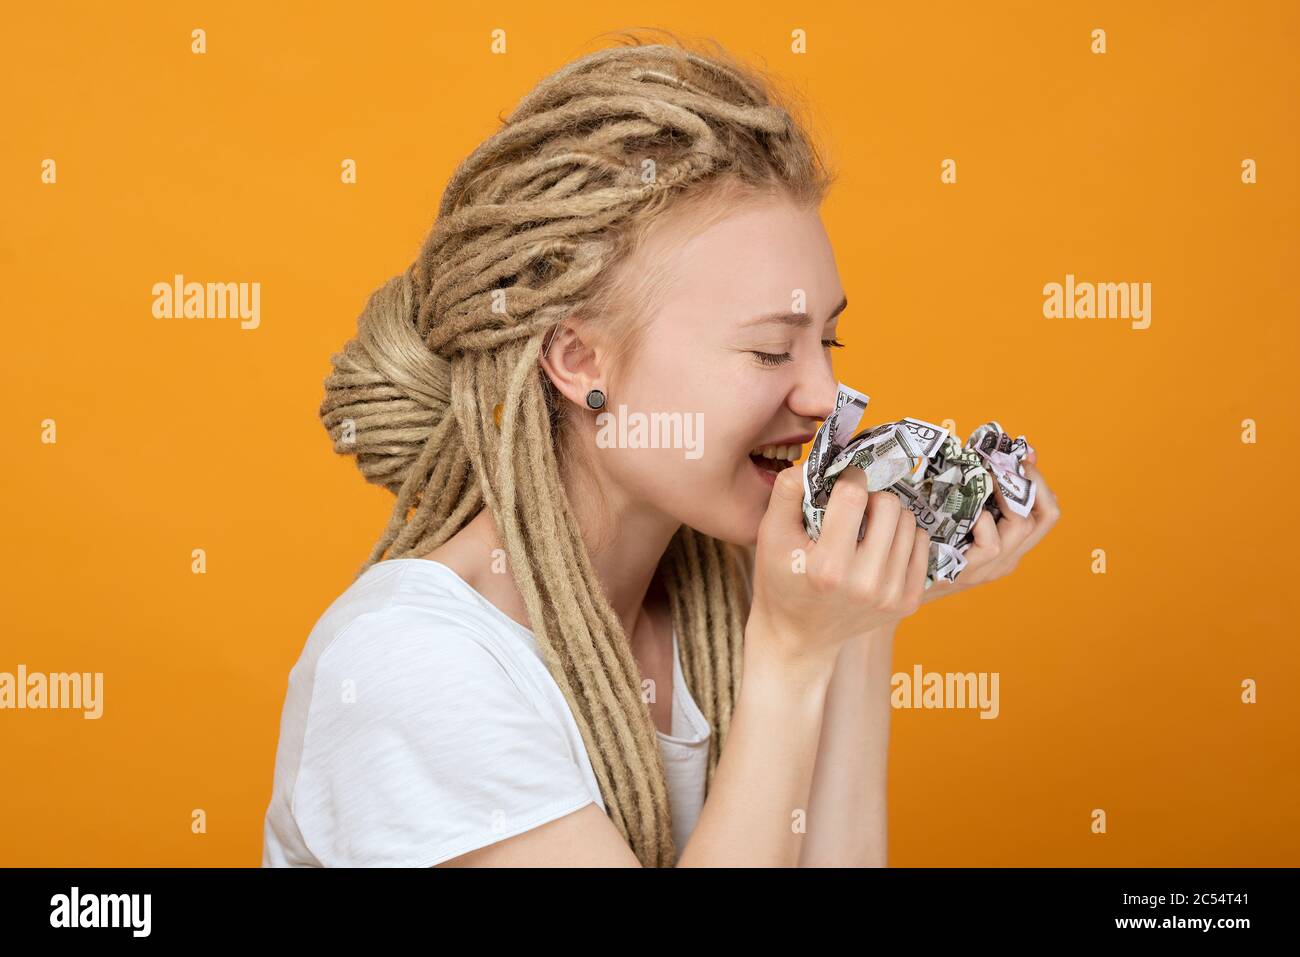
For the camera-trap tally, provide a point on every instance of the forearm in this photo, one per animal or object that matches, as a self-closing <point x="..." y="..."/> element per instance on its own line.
<point x="765" y="772"/>
<point x="847" y="820"/>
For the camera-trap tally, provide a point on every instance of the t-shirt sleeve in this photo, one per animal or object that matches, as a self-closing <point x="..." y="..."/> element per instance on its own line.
<point x="420" y="746"/>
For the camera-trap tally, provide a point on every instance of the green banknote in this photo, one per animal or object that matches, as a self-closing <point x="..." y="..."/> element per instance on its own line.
<point x="944" y="484"/>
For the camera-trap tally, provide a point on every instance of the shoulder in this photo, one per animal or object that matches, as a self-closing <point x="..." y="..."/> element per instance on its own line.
<point x="421" y="736"/>
<point x="401" y="644"/>
<point x="394" y="626"/>
<point x="405" y="658"/>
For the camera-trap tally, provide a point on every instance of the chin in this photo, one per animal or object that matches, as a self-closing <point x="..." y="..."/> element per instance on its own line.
<point x="745" y="537"/>
<point x="733" y="519"/>
<point x="734" y="509"/>
<point x="743" y="541"/>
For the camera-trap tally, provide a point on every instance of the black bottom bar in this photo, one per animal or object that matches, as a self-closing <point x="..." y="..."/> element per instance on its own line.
<point x="536" y="906"/>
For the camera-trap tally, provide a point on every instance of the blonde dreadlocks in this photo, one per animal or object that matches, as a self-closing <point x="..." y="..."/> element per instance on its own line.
<point x="442" y="400"/>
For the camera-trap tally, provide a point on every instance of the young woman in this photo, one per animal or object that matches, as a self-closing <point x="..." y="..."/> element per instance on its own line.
<point x="541" y="661"/>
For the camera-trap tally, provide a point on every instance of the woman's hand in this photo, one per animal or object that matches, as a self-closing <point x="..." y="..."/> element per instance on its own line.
<point x="998" y="547"/>
<point x="810" y="597"/>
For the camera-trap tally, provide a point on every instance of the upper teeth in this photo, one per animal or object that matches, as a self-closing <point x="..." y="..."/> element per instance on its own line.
<point x="787" y="452"/>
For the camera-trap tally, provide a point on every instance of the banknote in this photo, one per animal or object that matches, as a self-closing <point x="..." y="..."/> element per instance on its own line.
<point x="945" y="484"/>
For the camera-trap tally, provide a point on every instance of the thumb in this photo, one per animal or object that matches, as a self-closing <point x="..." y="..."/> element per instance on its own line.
<point x="985" y="537"/>
<point x="783" y="522"/>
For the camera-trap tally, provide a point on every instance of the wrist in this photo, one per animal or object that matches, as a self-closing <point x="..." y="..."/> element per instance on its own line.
<point x="874" y="635"/>
<point x="863" y="652"/>
<point x="773" y="662"/>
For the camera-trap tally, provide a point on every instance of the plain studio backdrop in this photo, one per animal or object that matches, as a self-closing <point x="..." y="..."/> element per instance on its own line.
<point x="133" y="440"/>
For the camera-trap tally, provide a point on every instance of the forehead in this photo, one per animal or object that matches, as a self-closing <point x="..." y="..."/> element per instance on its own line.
<point x="748" y="260"/>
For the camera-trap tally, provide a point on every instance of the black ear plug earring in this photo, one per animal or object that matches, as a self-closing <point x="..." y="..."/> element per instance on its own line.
<point x="595" y="399"/>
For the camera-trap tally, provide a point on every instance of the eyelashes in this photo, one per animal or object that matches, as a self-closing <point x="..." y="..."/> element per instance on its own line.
<point x="780" y="358"/>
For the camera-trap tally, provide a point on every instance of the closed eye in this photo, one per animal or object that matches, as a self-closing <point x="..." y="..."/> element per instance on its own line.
<point x="780" y="358"/>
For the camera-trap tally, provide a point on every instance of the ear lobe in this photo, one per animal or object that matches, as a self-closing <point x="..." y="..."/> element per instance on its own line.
<point x="570" y="363"/>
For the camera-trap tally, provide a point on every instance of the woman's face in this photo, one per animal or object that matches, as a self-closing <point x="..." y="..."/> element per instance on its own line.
<point x="738" y="350"/>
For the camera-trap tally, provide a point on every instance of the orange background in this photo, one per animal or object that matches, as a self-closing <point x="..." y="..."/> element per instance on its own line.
<point x="1118" y="691"/>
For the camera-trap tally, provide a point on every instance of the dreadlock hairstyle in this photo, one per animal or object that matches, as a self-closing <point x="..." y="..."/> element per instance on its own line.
<point x="441" y="398"/>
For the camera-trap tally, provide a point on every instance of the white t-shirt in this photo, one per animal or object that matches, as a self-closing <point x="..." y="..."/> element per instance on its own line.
<point x="420" y="723"/>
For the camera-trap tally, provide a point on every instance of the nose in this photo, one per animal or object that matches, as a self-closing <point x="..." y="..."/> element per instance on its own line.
<point x="813" y="395"/>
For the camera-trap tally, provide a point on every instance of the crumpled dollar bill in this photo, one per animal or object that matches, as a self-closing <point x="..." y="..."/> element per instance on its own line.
<point x="945" y="485"/>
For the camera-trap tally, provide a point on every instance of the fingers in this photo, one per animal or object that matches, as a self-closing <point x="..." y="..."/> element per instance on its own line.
<point x="843" y="518"/>
<point x="882" y="559"/>
<point x="917" y="566"/>
<point x="901" y="549"/>
<point x="871" y="565"/>
<point x="1046" y="505"/>
<point x="1046" y="509"/>
<point x="1013" y="529"/>
<point x="782" y="524"/>
<point x="987" y="543"/>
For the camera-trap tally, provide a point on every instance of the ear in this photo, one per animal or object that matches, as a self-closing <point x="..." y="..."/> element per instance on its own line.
<point x="572" y="364"/>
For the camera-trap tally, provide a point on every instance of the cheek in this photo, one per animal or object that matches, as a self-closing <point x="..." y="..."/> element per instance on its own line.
<point x="707" y="481"/>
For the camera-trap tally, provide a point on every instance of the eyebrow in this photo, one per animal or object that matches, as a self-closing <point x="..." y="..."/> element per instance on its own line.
<point x="798" y="319"/>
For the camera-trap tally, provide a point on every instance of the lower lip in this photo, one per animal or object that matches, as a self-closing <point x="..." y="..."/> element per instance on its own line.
<point x="767" y="475"/>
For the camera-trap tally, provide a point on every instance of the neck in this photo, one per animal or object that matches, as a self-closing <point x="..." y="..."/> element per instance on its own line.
<point x="625" y="541"/>
<point x="626" y="559"/>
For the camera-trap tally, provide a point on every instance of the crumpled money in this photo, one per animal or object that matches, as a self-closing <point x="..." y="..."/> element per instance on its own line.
<point x="945" y="485"/>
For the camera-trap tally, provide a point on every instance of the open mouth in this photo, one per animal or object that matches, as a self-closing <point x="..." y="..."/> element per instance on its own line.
<point x="775" y="458"/>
